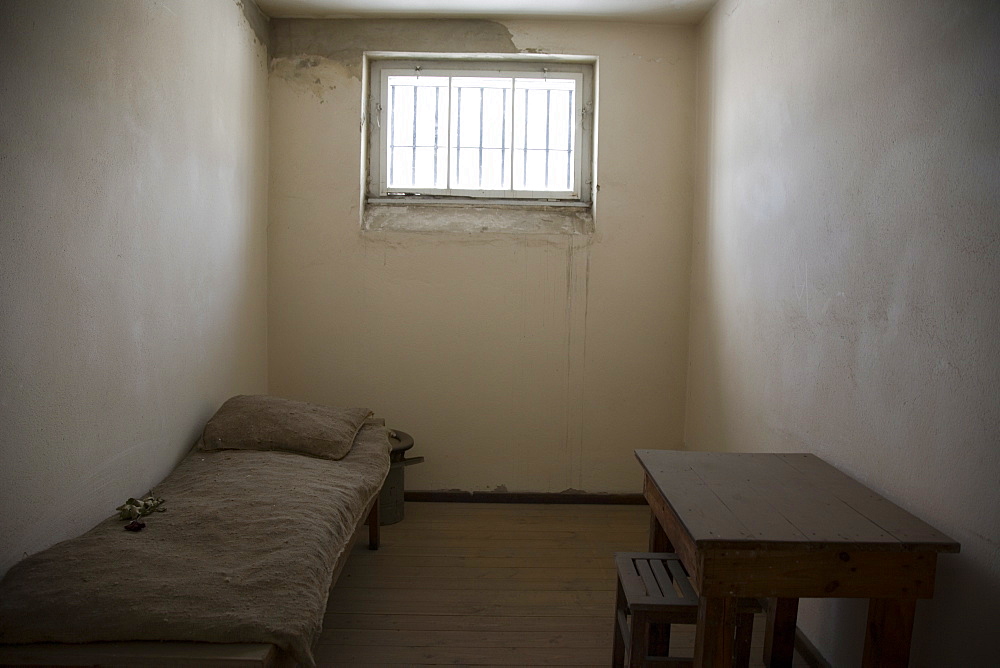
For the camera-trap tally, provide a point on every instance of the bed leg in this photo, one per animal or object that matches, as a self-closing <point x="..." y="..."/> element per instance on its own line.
<point x="373" y="526"/>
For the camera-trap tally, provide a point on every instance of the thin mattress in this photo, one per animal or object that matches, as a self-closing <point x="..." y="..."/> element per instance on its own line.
<point x="244" y="553"/>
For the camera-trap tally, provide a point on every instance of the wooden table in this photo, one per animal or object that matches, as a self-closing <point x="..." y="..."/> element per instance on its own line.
<point x="785" y="527"/>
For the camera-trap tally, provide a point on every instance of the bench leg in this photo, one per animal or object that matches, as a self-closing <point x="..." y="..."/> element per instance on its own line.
<point x="638" y="642"/>
<point x="373" y="526"/>
<point x="659" y="634"/>
<point x="618" y="650"/>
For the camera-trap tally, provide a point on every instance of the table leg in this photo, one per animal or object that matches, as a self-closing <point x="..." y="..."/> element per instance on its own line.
<point x="714" y="642"/>
<point x="744" y="637"/>
<point x="890" y="629"/>
<point x="658" y="541"/>
<point x="779" y="637"/>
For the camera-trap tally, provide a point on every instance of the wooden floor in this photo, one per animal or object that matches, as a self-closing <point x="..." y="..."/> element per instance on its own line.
<point x="489" y="584"/>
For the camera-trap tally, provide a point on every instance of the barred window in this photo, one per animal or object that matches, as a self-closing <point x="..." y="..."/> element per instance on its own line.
<point x="475" y="128"/>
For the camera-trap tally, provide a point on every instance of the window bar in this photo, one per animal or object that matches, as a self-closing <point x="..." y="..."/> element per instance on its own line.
<point x="447" y="153"/>
<point x="482" y="103"/>
<point x="437" y="124"/>
<point x="503" y="140"/>
<point x="392" y="138"/>
<point x="458" y="134"/>
<point x="569" y="141"/>
<point x="524" y="150"/>
<point x="413" y="150"/>
<point x="548" y="134"/>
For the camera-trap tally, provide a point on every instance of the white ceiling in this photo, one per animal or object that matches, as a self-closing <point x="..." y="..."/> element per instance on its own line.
<point x="675" y="11"/>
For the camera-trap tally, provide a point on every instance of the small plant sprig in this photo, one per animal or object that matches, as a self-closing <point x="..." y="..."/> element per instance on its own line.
<point x="136" y="508"/>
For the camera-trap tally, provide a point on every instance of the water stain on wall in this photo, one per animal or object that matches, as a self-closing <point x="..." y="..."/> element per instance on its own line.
<point x="311" y="73"/>
<point x="500" y="335"/>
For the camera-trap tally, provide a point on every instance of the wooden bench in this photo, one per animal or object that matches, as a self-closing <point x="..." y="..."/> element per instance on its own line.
<point x="654" y="592"/>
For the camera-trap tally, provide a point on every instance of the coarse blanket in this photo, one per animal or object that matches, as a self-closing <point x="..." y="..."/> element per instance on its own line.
<point x="243" y="554"/>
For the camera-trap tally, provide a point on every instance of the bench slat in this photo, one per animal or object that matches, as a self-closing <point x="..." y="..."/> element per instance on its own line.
<point x="652" y="589"/>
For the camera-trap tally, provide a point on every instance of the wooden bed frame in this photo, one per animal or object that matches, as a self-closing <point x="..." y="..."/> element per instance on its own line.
<point x="167" y="654"/>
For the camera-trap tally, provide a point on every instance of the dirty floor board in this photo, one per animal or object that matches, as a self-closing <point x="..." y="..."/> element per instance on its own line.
<point x="489" y="584"/>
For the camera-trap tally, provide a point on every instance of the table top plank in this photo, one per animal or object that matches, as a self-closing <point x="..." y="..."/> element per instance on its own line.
<point x="751" y="505"/>
<point x="704" y="514"/>
<point x="764" y="500"/>
<point x="821" y="518"/>
<point x="902" y="525"/>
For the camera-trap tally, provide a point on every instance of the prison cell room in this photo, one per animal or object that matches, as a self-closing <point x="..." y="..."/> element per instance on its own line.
<point x="709" y="285"/>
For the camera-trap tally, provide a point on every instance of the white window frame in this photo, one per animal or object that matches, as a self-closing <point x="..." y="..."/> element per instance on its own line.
<point x="381" y="65"/>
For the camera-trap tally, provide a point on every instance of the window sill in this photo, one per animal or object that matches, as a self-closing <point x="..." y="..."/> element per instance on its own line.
<point x="471" y="218"/>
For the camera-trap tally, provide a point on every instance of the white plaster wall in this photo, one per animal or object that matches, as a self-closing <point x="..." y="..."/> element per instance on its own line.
<point x="845" y="274"/>
<point x="517" y="361"/>
<point x="133" y="186"/>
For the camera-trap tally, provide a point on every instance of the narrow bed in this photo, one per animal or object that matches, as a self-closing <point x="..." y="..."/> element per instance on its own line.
<point x="245" y="555"/>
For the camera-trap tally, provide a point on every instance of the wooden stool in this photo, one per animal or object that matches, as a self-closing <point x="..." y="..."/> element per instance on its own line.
<point x="654" y="592"/>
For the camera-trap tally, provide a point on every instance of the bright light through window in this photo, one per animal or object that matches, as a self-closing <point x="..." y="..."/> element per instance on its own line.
<point x="481" y="133"/>
<point x="470" y="127"/>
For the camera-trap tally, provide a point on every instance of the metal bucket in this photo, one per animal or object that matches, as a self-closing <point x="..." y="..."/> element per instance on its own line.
<point x="390" y="499"/>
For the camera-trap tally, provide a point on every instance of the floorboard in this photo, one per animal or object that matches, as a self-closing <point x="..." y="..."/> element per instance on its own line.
<point x="481" y="584"/>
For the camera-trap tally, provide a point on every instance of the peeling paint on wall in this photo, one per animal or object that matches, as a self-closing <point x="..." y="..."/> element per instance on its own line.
<point x="257" y="21"/>
<point x="345" y="41"/>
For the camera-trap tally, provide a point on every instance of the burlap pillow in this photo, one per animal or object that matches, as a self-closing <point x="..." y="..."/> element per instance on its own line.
<point x="260" y="422"/>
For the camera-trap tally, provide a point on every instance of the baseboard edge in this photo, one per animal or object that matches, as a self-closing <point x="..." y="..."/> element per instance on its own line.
<point x="459" y="496"/>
